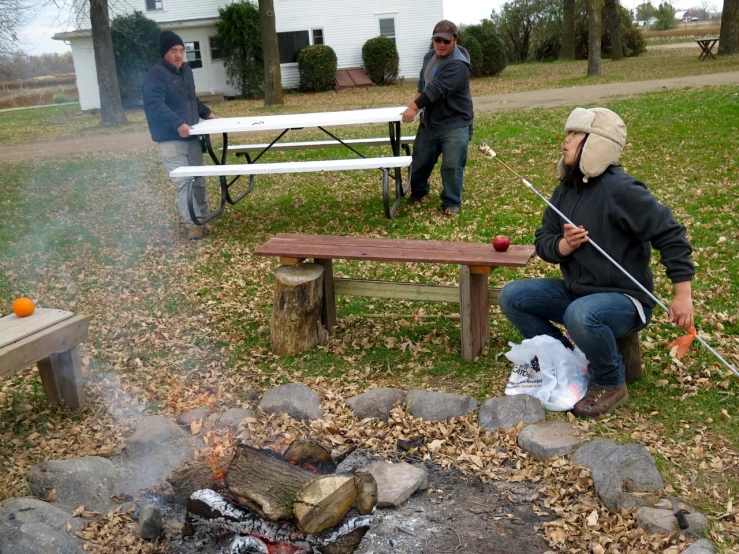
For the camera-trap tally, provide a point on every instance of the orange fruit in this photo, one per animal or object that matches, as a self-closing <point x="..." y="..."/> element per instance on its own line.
<point x="23" y="307"/>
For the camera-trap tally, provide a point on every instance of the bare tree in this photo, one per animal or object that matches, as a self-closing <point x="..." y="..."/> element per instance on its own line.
<point x="729" y="35"/>
<point x="111" y="108"/>
<point x="614" y="29"/>
<point x="12" y="15"/>
<point x="595" y="28"/>
<point x="271" y="53"/>
<point x="567" y="52"/>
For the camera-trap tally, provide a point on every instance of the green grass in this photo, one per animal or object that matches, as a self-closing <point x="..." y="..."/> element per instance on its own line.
<point x="99" y="235"/>
<point x="59" y="122"/>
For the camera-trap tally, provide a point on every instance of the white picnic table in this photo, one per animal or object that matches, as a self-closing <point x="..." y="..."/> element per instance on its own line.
<point x="284" y="123"/>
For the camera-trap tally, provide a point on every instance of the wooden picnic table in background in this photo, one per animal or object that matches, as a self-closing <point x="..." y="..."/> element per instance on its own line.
<point x="706" y="45"/>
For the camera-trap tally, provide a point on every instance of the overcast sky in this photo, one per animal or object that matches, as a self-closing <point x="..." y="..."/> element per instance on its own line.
<point x="36" y="35"/>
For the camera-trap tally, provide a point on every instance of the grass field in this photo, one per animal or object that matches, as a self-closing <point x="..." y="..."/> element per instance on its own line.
<point x="175" y="325"/>
<point x="59" y="122"/>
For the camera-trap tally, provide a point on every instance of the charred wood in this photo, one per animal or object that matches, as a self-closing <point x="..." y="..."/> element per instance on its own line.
<point x="208" y="513"/>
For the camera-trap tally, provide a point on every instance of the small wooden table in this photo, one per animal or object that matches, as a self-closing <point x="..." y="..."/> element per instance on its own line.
<point x="476" y="261"/>
<point x="48" y="338"/>
<point x="706" y="45"/>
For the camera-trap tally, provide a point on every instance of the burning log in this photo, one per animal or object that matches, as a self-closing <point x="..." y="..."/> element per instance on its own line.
<point x="195" y="476"/>
<point x="264" y="484"/>
<point x="208" y="512"/>
<point x="296" y="315"/>
<point x="324" y="501"/>
<point x="310" y="453"/>
<point x="366" y="492"/>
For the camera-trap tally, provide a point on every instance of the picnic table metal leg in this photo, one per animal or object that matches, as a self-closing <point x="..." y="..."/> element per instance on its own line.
<point x="61" y="377"/>
<point x="474" y="310"/>
<point x="328" y="306"/>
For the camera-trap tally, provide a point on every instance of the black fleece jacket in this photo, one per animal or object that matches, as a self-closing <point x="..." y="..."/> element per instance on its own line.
<point x="170" y="101"/>
<point x="446" y="100"/>
<point x="623" y="218"/>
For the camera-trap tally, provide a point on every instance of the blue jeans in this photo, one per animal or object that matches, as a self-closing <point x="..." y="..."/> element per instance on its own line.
<point x="452" y="147"/>
<point x="594" y="322"/>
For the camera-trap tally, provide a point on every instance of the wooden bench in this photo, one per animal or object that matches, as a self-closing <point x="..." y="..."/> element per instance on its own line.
<point x="385" y="164"/>
<point x="50" y="339"/>
<point x="317" y="144"/>
<point x="476" y="261"/>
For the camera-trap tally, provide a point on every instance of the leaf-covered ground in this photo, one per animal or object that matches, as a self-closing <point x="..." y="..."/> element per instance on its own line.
<point x="177" y="325"/>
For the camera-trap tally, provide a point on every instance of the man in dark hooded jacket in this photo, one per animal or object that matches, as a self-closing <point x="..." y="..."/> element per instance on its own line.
<point x="172" y="108"/>
<point x="445" y="104"/>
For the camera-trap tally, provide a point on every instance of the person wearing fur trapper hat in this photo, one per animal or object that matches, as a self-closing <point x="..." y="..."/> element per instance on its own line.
<point x="172" y="108"/>
<point x="597" y="303"/>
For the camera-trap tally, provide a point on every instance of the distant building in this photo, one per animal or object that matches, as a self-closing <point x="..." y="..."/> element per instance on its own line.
<point x="344" y="25"/>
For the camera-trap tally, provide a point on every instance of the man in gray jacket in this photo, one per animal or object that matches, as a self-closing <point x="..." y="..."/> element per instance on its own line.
<point x="445" y="105"/>
<point x="172" y="108"/>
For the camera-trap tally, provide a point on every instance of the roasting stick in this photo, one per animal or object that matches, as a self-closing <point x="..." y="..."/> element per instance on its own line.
<point x="490" y="153"/>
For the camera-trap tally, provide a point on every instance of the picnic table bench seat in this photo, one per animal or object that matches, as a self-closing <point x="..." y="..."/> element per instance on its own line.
<point x="476" y="261"/>
<point x="49" y="338"/>
<point x="385" y="164"/>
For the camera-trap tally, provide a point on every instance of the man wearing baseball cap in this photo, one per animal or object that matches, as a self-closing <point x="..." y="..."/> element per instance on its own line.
<point x="444" y="102"/>
<point x="172" y="108"/>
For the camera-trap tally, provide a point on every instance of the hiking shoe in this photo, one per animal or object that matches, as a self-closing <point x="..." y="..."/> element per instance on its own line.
<point x="598" y="401"/>
<point x="195" y="233"/>
<point x="451" y="210"/>
<point x="414" y="200"/>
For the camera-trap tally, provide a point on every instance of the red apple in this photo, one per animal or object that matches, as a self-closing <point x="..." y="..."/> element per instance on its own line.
<point x="501" y="243"/>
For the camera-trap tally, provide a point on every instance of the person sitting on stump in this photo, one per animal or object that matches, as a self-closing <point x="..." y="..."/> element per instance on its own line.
<point x="594" y="300"/>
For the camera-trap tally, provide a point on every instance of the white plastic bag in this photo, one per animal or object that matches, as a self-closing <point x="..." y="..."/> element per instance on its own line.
<point x="546" y="369"/>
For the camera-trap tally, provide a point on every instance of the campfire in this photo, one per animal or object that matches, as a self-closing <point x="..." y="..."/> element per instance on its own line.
<point x="268" y="502"/>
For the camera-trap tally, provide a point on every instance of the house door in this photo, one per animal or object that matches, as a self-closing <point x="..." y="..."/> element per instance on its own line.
<point x="195" y="61"/>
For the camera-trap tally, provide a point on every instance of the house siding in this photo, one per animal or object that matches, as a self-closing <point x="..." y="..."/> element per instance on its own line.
<point x="346" y="26"/>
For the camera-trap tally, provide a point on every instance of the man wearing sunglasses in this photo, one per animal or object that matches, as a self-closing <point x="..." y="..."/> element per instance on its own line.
<point x="444" y="102"/>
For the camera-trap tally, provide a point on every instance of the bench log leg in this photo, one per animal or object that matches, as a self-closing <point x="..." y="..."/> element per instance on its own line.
<point x="328" y="307"/>
<point x="628" y="347"/>
<point x="61" y="377"/>
<point x="474" y="312"/>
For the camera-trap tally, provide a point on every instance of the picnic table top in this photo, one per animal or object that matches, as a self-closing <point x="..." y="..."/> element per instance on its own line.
<point x="298" y="120"/>
<point x="295" y="245"/>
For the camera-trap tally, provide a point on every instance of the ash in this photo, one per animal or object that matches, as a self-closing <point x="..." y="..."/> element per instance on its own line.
<point x="455" y="513"/>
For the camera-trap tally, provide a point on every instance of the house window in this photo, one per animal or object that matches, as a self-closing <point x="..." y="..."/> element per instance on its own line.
<point x="317" y="36"/>
<point x="215" y="49"/>
<point x="387" y="28"/>
<point x="290" y="44"/>
<point x="192" y="53"/>
<point x="153" y="5"/>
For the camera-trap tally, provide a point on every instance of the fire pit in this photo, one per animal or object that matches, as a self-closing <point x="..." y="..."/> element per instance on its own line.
<point x="280" y="503"/>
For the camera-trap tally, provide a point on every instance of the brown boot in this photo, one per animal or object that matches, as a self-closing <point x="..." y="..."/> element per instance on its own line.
<point x="194" y="233"/>
<point x="599" y="401"/>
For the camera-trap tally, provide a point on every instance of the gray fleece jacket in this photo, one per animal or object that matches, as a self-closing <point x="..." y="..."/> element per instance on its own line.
<point x="446" y="100"/>
<point x="623" y="218"/>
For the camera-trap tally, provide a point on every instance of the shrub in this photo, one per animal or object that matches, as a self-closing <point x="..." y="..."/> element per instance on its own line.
<point x="317" y="66"/>
<point x="62" y="98"/>
<point x="238" y="36"/>
<point x="473" y="46"/>
<point x="381" y="60"/>
<point x="135" y="48"/>
<point x="493" y="51"/>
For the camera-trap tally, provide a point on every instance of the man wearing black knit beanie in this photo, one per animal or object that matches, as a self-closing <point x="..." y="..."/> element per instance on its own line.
<point x="172" y="108"/>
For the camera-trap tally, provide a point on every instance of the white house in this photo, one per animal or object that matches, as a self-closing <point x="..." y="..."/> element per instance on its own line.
<point x="344" y="25"/>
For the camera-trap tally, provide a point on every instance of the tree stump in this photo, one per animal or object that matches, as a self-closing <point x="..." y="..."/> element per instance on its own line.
<point x="628" y="347"/>
<point x="296" y="314"/>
